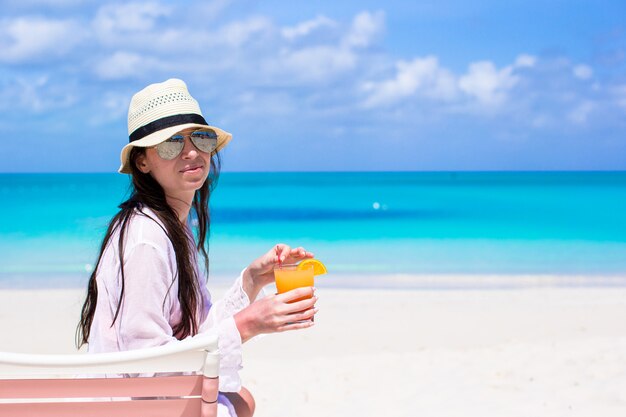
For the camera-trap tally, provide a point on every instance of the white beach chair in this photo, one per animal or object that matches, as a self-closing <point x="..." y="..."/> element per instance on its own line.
<point x="61" y="385"/>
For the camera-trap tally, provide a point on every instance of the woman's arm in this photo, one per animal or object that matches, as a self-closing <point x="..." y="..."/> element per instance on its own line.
<point x="150" y="306"/>
<point x="276" y="313"/>
<point x="146" y="307"/>
<point x="261" y="271"/>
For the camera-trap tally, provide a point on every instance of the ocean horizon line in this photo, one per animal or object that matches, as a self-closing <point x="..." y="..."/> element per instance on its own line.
<point x="442" y="171"/>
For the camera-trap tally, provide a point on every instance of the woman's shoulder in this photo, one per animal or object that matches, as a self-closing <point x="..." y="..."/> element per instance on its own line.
<point x="145" y="227"/>
<point x="143" y="230"/>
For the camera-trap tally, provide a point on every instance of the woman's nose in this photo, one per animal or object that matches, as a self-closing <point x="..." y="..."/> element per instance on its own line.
<point x="190" y="150"/>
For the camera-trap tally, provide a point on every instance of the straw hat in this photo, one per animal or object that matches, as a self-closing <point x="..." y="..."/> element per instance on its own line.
<point x="159" y="111"/>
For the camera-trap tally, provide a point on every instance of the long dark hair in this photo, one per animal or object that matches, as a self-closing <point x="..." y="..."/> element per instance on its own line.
<point x="146" y="192"/>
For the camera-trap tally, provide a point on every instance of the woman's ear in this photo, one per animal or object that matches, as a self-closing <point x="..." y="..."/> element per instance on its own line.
<point x="142" y="164"/>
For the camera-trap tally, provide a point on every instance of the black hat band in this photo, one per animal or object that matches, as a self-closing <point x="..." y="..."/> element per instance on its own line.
<point x="164" y="123"/>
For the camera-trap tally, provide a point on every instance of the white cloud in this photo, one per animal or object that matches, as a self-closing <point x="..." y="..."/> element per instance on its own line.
<point x="330" y="56"/>
<point x="31" y="3"/>
<point x="212" y="9"/>
<point x="580" y="114"/>
<point x="112" y="107"/>
<point x="116" y="103"/>
<point x="238" y="33"/>
<point x="252" y="47"/>
<point x="421" y="76"/>
<point x="135" y="25"/>
<point x="540" y="121"/>
<point x="619" y="92"/>
<point x="305" y="28"/>
<point x="425" y="78"/>
<point x="153" y="27"/>
<point x="313" y="64"/>
<point x="365" y="28"/>
<point x="124" y="64"/>
<point x="128" y="17"/>
<point x="525" y="61"/>
<point x="582" y="72"/>
<point x="319" y="62"/>
<point x="36" y="95"/>
<point x="488" y="84"/>
<point x="274" y="103"/>
<point x="26" y="39"/>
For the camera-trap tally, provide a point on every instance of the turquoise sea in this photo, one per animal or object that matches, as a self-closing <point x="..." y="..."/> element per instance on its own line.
<point x="402" y="226"/>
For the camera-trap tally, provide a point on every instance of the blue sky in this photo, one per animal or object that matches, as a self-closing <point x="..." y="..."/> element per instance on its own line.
<point x="339" y="86"/>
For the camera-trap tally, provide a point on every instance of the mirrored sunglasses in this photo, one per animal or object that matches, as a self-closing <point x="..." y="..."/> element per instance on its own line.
<point x="205" y="140"/>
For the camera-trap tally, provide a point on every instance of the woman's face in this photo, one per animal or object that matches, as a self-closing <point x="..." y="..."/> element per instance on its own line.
<point x="181" y="176"/>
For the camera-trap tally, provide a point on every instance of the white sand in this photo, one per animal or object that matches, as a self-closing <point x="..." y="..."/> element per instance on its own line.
<point x="535" y="352"/>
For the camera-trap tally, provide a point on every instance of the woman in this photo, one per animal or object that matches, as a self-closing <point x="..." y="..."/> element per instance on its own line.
<point x="147" y="289"/>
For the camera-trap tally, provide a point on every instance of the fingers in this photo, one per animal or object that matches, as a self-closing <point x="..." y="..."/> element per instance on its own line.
<point x="298" y="320"/>
<point x="300" y="253"/>
<point x="285" y="252"/>
<point x="291" y="295"/>
<point x="298" y="312"/>
<point x="282" y="251"/>
<point x="300" y="305"/>
<point x="276" y="314"/>
<point x="303" y="315"/>
<point x="295" y="326"/>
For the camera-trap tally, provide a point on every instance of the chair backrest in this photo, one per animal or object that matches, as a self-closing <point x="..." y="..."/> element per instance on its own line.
<point x="114" y="384"/>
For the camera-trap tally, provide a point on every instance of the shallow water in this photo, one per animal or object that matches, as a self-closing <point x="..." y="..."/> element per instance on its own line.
<point x="359" y="224"/>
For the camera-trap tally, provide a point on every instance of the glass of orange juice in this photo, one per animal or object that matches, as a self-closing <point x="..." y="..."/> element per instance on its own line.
<point x="289" y="277"/>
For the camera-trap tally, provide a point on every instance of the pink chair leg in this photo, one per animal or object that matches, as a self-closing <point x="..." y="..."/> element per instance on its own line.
<point x="210" y="387"/>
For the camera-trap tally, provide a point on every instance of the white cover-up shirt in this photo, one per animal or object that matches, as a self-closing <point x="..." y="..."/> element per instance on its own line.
<point x="150" y="307"/>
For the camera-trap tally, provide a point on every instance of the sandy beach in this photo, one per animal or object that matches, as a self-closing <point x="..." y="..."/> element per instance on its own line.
<point x="507" y="352"/>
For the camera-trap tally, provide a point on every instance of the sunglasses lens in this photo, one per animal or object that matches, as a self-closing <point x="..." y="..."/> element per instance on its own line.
<point x="171" y="148"/>
<point x="205" y="140"/>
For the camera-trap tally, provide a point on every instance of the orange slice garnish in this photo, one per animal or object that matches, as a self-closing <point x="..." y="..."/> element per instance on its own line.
<point x="318" y="267"/>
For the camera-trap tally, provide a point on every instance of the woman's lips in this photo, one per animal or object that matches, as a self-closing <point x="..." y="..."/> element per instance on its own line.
<point x="192" y="170"/>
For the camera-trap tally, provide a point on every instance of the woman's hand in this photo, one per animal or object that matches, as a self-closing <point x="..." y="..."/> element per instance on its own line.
<point x="261" y="272"/>
<point x="276" y="314"/>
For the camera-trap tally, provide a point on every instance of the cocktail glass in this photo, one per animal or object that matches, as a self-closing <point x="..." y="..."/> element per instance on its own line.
<point x="289" y="277"/>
